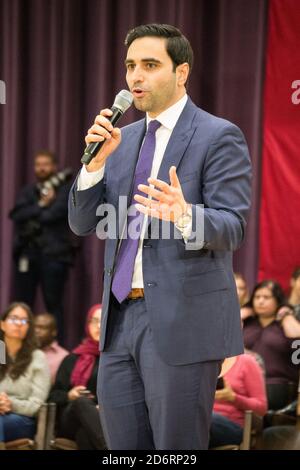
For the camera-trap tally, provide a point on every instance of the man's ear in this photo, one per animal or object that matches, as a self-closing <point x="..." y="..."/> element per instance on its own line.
<point x="182" y="72"/>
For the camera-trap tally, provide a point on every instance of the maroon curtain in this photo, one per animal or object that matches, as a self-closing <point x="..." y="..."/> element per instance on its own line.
<point x="280" y="202"/>
<point x="62" y="60"/>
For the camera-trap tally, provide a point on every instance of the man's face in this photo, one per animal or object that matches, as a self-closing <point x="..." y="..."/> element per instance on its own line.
<point x="43" y="167"/>
<point x="150" y="76"/>
<point x="44" y="331"/>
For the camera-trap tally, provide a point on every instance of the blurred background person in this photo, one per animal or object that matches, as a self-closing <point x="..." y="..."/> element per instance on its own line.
<point x="294" y="297"/>
<point x="240" y="387"/>
<point x="24" y="379"/>
<point x="243" y="295"/>
<point x="45" y="328"/>
<point x="270" y="332"/>
<point x="242" y="289"/>
<point x="42" y="245"/>
<point x="74" y="390"/>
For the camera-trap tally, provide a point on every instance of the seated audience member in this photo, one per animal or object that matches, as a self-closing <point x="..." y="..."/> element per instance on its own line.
<point x="270" y="332"/>
<point x="24" y="379"/>
<point x="46" y="332"/>
<point x="242" y="389"/>
<point x="74" y="390"/>
<point x="243" y="295"/>
<point x="242" y="290"/>
<point x="294" y="297"/>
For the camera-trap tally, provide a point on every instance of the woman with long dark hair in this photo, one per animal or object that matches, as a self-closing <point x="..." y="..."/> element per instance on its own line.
<point x="24" y="378"/>
<point x="74" y="390"/>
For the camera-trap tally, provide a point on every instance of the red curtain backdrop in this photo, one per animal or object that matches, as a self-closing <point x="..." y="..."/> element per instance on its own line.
<point x="280" y="199"/>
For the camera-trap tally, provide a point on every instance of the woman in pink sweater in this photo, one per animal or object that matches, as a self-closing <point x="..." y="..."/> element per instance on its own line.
<point x="244" y="389"/>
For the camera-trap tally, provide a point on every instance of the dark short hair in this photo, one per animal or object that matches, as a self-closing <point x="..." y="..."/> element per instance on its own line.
<point x="46" y="153"/>
<point x="177" y="45"/>
<point x="51" y="319"/>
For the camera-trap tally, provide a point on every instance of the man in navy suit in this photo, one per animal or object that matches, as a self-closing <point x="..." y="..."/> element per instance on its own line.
<point x="170" y="312"/>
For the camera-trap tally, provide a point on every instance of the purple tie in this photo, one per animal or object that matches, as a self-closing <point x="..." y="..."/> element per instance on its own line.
<point x="121" y="285"/>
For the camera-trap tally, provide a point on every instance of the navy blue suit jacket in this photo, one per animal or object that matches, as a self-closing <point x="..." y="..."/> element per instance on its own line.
<point x="190" y="294"/>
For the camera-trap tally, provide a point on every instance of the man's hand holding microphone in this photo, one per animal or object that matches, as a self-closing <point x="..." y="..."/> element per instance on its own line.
<point x="103" y="138"/>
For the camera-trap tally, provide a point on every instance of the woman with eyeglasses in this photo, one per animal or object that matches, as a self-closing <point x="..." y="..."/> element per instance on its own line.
<point x="24" y="378"/>
<point x="74" y="390"/>
<point x="270" y="331"/>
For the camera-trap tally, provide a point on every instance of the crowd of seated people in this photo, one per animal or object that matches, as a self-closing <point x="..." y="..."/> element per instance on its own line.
<point x="264" y="378"/>
<point x="26" y="376"/>
<point x="270" y="331"/>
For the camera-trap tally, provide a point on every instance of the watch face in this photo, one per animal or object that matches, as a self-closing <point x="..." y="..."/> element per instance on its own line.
<point x="184" y="220"/>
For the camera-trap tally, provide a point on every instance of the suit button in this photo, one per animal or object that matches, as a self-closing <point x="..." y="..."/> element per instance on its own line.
<point x="147" y="246"/>
<point x="109" y="272"/>
<point x="151" y="284"/>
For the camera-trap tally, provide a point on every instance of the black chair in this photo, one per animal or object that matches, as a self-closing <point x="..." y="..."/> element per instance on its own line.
<point x="284" y="430"/>
<point x="56" y="443"/>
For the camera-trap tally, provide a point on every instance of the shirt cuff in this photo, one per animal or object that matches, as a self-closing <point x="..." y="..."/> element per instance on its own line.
<point x="87" y="179"/>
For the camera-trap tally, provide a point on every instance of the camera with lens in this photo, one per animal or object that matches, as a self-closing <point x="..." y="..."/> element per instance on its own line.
<point x="54" y="181"/>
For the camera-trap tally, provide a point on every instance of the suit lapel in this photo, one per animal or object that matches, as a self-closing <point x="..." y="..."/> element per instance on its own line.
<point x="179" y="140"/>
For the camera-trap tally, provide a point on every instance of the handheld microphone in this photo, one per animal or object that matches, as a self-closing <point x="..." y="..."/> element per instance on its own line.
<point x="122" y="102"/>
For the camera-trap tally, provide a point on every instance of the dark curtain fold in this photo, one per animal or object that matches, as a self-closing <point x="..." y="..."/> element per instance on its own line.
<point x="62" y="60"/>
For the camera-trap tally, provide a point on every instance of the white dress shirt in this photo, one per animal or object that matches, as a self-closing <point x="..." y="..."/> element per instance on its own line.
<point x="168" y="120"/>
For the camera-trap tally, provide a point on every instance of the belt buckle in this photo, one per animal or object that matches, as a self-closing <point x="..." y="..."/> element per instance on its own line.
<point x="136" y="293"/>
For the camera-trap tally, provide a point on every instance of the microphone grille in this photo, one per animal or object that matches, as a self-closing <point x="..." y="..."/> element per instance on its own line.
<point x="123" y="100"/>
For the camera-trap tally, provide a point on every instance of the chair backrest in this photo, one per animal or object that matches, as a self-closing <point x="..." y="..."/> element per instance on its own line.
<point x="39" y="440"/>
<point x="252" y="434"/>
<point x="50" y="428"/>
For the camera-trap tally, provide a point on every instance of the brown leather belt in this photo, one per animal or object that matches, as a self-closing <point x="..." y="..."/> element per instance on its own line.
<point x="137" y="293"/>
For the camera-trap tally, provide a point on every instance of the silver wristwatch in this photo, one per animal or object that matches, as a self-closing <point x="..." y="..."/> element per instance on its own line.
<point x="185" y="219"/>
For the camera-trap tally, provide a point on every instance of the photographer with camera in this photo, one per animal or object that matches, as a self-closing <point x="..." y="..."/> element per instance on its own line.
<point x="42" y="246"/>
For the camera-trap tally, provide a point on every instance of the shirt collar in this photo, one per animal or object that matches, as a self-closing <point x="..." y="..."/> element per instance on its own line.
<point x="170" y="116"/>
